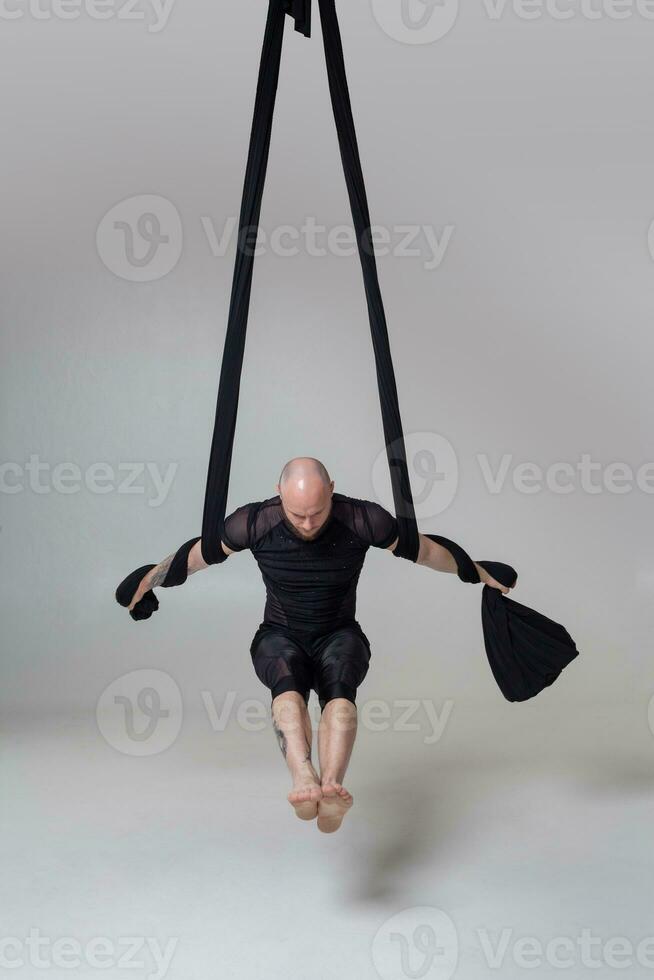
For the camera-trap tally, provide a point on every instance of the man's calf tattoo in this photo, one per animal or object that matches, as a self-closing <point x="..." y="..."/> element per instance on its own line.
<point x="283" y="743"/>
<point x="281" y="738"/>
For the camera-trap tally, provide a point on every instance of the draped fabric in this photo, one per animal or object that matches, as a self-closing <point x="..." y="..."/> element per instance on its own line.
<point x="526" y="651"/>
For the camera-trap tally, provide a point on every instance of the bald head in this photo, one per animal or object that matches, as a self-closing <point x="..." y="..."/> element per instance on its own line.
<point x="306" y="491"/>
<point x="303" y="471"/>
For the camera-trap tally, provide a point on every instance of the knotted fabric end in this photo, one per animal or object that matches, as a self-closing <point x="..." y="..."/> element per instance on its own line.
<point x="300" y="11"/>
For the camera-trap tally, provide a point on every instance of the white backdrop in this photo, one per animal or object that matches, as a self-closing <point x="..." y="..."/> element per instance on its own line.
<point x="507" y="150"/>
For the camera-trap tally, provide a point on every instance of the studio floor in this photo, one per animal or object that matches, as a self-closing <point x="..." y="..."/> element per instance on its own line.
<point x="516" y="844"/>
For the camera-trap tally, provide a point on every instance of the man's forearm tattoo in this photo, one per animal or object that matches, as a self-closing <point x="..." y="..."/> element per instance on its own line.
<point x="159" y="573"/>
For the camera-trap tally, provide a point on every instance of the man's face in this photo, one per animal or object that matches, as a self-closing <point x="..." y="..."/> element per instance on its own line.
<point x="307" y="512"/>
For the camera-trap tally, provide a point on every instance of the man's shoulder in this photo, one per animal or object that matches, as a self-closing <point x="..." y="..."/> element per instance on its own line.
<point x="254" y="506"/>
<point x="360" y="503"/>
<point x="371" y="522"/>
<point x="263" y="516"/>
<point x="346" y="498"/>
<point x="275" y="501"/>
<point x="246" y="525"/>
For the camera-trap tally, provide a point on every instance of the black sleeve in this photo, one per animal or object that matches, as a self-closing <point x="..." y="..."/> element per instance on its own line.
<point x="236" y="529"/>
<point x="382" y="528"/>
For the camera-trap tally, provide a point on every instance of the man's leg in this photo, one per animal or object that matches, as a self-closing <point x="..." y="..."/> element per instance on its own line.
<point x="341" y="663"/>
<point x="292" y="726"/>
<point x="283" y="665"/>
<point x="336" y="735"/>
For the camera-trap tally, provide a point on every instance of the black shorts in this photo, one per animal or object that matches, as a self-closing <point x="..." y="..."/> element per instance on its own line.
<point x="332" y="664"/>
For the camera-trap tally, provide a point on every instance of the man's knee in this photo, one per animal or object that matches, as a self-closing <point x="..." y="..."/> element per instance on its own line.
<point x="291" y="685"/>
<point x="289" y="697"/>
<point x="335" y="691"/>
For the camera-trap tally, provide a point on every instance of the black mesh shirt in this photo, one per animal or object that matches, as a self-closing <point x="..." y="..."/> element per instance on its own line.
<point x="310" y="585"/>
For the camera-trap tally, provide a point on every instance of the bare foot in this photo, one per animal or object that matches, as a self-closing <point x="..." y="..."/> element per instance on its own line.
<point x="333" y="806"/>
<point x="305" y="799"/>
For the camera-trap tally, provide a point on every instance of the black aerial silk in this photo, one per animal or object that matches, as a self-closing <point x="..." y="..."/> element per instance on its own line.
<point x="526" y="650"/>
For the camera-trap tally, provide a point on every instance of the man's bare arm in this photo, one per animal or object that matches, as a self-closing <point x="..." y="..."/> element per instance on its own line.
<point x="157" y="575"/>
<point x="435" y="556"/>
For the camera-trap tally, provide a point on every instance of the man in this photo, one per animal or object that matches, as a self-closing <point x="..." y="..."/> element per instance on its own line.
<point x="310" y="544"/>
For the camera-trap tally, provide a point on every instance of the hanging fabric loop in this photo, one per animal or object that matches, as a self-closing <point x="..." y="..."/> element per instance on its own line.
<point x="220" y="457"/>
<point x="526" y="651"/>
<point x="228" y="392"/>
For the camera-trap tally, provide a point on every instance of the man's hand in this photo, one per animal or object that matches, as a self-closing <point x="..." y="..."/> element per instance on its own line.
<point x="489" y="580"/>
<point x="157" y="575"/>
<point x="130" y="594"/>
